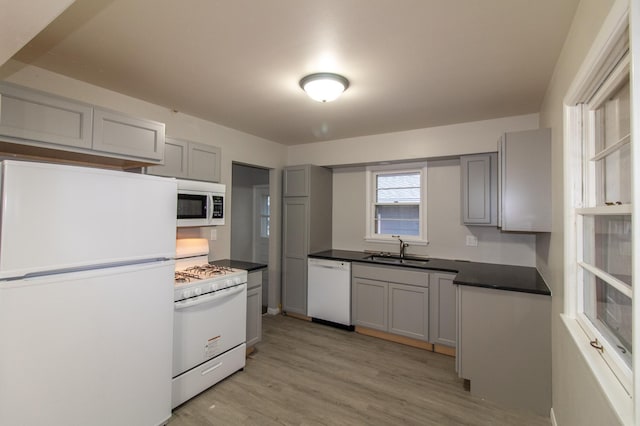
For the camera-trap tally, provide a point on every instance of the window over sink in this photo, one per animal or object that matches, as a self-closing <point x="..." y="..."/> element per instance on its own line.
<point x="396" y="202"/>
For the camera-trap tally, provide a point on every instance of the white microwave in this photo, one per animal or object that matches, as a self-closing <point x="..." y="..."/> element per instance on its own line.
<point x="200" y="203"/>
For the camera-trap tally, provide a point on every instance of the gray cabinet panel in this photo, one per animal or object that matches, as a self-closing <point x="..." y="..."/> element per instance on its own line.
<point x="306" y="224"/>
<point x="525" y="181"/>
<point x="505" y="346"/>
<point x="189" y="160"/>
<point x="295" y="249"/>
<point x="117" y="133"/>
<point x="391" y="274"/>
<point x="295" y="181"/>
<point x="30" y="115"/>
<point x="370" y="303"/>
<point x="254" y="308"/>
<point x="204" y="162"/>
<point x="479" y="189"/>
<point x="409" y="311"/>
<point x="442" y="310"/>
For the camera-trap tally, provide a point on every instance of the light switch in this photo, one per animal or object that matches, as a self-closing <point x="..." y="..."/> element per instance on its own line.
<point x="472" y="241"/>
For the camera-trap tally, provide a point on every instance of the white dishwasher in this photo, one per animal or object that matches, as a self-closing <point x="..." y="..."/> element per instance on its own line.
<point x="329" y="292"/>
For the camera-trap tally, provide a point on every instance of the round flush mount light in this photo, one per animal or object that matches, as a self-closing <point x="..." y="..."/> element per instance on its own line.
<point x="324" y="86"/>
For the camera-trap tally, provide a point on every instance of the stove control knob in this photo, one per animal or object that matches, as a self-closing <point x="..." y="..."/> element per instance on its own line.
<point x="198" y="291"/>
<point x="186" y="294"/>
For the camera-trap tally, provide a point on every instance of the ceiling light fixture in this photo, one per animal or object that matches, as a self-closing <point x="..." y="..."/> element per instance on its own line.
<point x="324" y="86"/>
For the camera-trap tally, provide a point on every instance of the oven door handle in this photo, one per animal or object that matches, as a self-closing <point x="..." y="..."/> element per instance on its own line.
<point x="217" y="295"/>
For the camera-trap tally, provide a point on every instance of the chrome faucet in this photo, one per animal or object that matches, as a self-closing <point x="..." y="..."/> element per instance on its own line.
<point x="403" y="246"/>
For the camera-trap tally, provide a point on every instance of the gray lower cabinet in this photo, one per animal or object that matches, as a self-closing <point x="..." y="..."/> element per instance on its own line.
<point x="442" y="309"/>
<point x="504" y="346"/>
<point x="254" y="308"/>
<point x="394" y="300"/>
<point x="36" y="120"/>
<point x="189" y="160"/>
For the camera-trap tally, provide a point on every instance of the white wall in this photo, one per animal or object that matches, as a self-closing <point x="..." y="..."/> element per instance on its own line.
<point x="577" y="397"/>
<point x="446" y="234"/>
<point x="236" y="146"/>
<point x="433" y="142"/>
<point x="447" y="237"/>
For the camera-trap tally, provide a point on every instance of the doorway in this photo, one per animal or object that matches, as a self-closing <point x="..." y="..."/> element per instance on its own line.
<point x="251" y="213"/>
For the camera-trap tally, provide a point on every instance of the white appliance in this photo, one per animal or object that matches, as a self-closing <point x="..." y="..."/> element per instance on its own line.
<point x="86" y="276"/>
<point x="200" y="203"/>
<point x="210" y="321"/>
<point x="329" y="291"/>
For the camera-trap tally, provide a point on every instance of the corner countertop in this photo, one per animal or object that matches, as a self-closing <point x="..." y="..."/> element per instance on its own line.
<point x="487" y="275"/>
<point x="239" y="264"/>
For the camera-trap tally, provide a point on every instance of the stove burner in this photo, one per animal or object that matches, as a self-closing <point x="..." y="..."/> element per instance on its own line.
<point x="200" y="272"/>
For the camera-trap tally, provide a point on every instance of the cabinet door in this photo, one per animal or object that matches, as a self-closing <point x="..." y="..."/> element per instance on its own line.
<point x="525" y="197"/>
<point x="295" y="181"/>
<point x="369" y="305"/>
<point x="204" y="162"/>
<point x="254" y="316"/>
<point x="175" y="160"/>
<point x="442" y="310"/>
<point x="479" y="189"/>
<point x="34" y="116"/>
<point x="409" y="311"/>
<point x="295" y="217"/>
<point x="120" y="134"/>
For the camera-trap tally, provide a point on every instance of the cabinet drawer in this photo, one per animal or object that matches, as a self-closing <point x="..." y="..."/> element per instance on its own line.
<point x="391" y="274"/>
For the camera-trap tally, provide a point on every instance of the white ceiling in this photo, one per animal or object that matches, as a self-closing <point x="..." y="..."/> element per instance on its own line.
<point x="411" y="63"/>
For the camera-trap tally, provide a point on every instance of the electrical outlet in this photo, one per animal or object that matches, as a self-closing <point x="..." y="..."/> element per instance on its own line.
<point x="472" y="241"/>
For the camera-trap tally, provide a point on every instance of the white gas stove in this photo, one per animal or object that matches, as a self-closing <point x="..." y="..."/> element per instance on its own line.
<point x="210" y="313"/>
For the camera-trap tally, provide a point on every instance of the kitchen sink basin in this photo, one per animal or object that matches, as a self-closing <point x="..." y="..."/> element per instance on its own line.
<point x="396" y="260"/>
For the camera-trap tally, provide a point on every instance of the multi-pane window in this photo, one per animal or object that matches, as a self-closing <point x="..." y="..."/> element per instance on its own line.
<point x="397" y="204"/>
<point x="603" y="219"/>
<point x="265" y="215"/>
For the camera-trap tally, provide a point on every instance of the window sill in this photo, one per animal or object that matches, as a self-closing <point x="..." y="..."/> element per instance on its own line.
<point x="395" y="241"/>
<point x="616" y="395"/>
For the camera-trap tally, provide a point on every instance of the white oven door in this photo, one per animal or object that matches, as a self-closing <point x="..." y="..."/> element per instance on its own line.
<point x="207" y="326"/>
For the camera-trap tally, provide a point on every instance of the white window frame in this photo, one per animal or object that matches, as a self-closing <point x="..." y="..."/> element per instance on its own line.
<point x="617" y="381"/>
<point x="371" y="173"/>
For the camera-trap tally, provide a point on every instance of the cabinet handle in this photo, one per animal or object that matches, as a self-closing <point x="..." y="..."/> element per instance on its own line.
<point x="595" y="344"/>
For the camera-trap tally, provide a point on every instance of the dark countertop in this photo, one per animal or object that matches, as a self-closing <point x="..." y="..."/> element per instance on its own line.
<point x="488" y="275"/>
<point x="239" y="264"/>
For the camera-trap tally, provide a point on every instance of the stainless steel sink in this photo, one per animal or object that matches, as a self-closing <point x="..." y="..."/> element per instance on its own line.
<point x="396" y="260"/>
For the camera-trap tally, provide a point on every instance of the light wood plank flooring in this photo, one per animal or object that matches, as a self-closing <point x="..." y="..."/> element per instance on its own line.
<point x="309" y="374"/>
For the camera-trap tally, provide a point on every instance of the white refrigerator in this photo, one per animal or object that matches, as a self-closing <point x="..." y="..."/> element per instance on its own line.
<point x="86" y="295"/>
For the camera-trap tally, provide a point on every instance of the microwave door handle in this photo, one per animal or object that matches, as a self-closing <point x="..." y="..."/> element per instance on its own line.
<point x="221" y="294"/>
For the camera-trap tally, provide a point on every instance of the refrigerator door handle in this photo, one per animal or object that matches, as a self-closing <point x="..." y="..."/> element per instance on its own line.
<point x="209" y="298"/>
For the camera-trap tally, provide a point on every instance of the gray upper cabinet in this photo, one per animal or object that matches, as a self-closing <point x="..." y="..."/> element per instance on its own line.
<point x="524" y="181"/>
<point x="442" y="309"/>
<point x="117" y="133"/>
<point x="32" y="120"/>
<point x="29" y="115"/>
<point x="189" y="160"/>
<point x="306" y="228"/>
<point x="479" y="188"/>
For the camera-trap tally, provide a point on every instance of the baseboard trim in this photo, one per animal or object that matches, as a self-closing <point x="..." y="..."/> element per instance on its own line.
<point x="297" y="316"/>
<point x="444" y="350"/>
<point x="395" y="338"/>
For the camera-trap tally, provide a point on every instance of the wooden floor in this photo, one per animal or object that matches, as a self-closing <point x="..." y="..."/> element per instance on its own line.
<point x="309" y="374"/>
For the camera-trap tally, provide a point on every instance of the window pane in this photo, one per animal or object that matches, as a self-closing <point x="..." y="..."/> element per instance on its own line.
<point x="607" y="245"/>
<point x="614" y="177"/>
<point x="610" y="312"/>
<point x="397" y="220"/>
<point x="264" y="226"/>
<point x="398" y="188"/>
